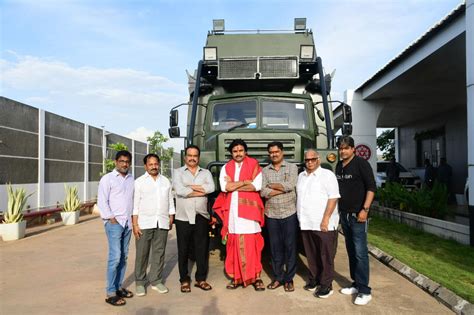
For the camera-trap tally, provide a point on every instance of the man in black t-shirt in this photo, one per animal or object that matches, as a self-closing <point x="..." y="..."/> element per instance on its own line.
<point x="357" y="189"/>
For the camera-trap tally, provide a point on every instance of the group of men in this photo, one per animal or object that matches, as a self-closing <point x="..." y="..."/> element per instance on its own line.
<point x="315" y="202"/>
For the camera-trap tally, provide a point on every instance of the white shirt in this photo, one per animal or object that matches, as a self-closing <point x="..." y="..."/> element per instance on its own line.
<point x="238" y="225"/>
<point x="153" y="202"/>
<point x="313" y="191"/>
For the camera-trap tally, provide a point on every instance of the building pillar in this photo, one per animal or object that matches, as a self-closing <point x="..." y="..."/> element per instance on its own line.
<point x="133" y="158"/>
<point x="41" y="156"/>
<point x="364" y="125"/>
<point x="470" y="109"/>
<point x="86" y="163"/>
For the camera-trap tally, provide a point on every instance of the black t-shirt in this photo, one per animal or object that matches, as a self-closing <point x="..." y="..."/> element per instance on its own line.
<point x="355" y="179"/>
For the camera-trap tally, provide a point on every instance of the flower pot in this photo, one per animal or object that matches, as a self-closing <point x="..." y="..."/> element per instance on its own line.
<point x="70" y="218"/>
<point x="13" y="231"/>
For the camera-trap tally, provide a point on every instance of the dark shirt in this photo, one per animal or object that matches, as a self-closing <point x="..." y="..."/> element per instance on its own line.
<point x="355" y="179"/>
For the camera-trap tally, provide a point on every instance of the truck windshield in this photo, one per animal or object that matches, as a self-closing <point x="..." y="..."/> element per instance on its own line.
<point x="228" y="115"/>
<point x="284" y="115"/>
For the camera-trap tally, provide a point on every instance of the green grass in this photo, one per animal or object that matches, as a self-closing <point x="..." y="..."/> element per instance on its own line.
<point x="444" y="261"/>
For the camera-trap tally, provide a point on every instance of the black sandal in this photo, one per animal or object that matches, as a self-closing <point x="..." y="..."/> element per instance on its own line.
<point x="115" y="300"/>
<point x="124" y="293"/>
<point x="232" y="285"/>
<point x="258" y="285"/>
<point x="274" y="284"/>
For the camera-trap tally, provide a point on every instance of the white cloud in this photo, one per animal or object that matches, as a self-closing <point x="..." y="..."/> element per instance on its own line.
<point x="140" y="134"/>
<point x="115" y="97"/>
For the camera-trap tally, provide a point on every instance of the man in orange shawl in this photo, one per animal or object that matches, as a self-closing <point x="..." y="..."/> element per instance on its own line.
<point x="241" y="209"/>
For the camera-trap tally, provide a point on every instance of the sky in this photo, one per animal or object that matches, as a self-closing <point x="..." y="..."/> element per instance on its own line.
<point x="121" y="64"/>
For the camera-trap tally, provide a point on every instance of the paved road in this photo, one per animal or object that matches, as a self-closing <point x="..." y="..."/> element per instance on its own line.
<point x="62" y="271"/>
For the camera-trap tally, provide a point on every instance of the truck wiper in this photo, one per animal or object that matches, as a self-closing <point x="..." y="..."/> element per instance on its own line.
<point x="238" y="126"/>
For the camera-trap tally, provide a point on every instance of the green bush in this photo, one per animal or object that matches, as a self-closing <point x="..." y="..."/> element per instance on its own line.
<point x="428" y="202"/>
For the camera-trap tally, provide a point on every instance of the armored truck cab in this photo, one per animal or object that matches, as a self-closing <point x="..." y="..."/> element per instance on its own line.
<point x="260" y="86"/>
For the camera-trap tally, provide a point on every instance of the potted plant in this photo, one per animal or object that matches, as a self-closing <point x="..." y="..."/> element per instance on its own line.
<point x="71" y="207"/>
<point x="13" y="224"/>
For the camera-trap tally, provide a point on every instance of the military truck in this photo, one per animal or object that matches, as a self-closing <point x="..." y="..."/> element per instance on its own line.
<point x="260" y="86"/>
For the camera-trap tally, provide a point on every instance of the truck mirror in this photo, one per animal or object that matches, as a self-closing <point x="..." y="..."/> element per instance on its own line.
<point x="174" y="132"/>
<point x="174" y="118"/>
<point x="347" y="113"/>
<point x="347" y="129"/>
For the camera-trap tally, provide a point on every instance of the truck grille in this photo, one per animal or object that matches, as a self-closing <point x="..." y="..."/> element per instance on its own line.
<point x="278" y="68"/>
<point x="267" y="67"/>
<point x="257" y="148"/>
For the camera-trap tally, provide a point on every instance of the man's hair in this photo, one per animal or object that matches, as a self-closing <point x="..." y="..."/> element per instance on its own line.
<point x="347" y="140"/>
<point x="123" y="153"/>
<point x="149" y="156"/>
<point x="192" y="146"/>
<point x="237" y="142"/>
<point x="275" y="144"/>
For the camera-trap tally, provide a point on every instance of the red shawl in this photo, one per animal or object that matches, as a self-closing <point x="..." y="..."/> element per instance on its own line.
<point x="250" y="205"/>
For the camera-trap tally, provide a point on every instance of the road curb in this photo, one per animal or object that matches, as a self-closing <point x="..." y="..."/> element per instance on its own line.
<point x="442" y="294"/>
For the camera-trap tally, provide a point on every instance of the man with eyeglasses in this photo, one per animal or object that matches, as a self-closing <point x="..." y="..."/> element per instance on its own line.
<point x="279" y="190"/>
<point x="317" y="195"/>
<point x="357" y="186"/>
<point x="115" y="201"/>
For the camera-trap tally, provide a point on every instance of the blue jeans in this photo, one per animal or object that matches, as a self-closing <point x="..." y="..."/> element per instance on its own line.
<point x="119" y="239"/>
<point x="355" y="234"/>
<point x="283" y="235"/>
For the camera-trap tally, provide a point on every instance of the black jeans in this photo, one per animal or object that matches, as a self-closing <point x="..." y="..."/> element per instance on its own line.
<point x="282" y="234"/>
<point x="193" y="238"/>
<point x="355" y="234"/>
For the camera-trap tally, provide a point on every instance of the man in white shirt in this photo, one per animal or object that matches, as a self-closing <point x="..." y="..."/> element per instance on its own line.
<point x="152" y="217"/>
<point x="317" y="194"/>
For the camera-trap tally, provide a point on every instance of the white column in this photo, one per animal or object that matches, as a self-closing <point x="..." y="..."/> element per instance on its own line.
<point x="470" y="108"/>
<point x="364" y="124"/>
<point x="133" y="158"/>
<point x="41" y="153"/>
<point x="104" y="149"/>
<point x="86" y="163"/>
<point x="397" y="144"/>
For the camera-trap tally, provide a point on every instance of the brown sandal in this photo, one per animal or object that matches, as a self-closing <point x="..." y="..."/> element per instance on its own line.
<point x="185" y="287"/>
<point x="203" y="285"/>
<point x="258" y="285"/>
<point x="289" y="286"/>
<point x="232" y="285"/>
<point x="274" y="284"/>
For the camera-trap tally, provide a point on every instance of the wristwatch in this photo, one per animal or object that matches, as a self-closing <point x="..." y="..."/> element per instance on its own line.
<point x="366" y="209"/>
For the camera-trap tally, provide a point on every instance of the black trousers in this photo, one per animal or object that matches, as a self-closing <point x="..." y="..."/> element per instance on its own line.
<point x="319" y="249"/>
<point x="193" y="243"/>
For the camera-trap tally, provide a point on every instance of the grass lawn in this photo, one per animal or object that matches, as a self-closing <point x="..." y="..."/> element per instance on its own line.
<point x="444" y="261"/>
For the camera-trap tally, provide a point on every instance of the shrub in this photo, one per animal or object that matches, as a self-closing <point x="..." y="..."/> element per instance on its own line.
<point x="428" y="202"/>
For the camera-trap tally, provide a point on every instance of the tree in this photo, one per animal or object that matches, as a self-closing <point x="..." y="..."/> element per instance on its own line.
<point x="156" y="142"/>
<point x="386" y="144"/>
<point x="155" y="145"/>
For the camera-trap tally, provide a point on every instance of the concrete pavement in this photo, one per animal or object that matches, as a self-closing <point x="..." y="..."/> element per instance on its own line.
<point x="62" y="271"/>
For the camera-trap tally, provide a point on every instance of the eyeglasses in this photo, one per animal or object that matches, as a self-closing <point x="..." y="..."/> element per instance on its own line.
<point x="124" y="161"/>
<point x="311" y="160"/>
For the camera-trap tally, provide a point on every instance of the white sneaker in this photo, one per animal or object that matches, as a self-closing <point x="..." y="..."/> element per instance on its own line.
<point x="349" y="291"/>
<point x="362" y="299"/>
<point x="160" y="287"/>
<point x="140" y="290"/>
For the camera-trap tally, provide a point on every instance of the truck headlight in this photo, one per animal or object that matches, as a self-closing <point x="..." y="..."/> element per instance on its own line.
<point x="210" y="53"/>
